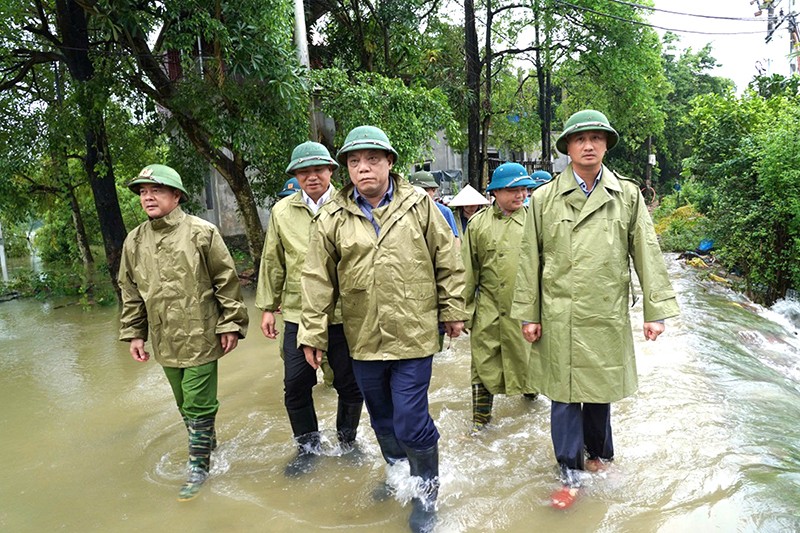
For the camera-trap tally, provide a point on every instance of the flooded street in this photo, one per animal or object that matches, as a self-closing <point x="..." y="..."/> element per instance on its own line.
<point x="92" y="440"/>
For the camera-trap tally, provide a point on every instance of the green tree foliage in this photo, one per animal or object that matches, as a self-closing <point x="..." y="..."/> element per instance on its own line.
<point x="746" y="152"/>
<point x="227" y="75"/>
<point x="410" y="116"/>
<point x="689" y="75"/>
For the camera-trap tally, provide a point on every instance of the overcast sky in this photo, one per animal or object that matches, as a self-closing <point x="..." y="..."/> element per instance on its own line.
<point x="740" y="56"/>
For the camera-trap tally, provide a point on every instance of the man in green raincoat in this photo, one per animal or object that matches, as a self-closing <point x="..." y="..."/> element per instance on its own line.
<point x="500" y="356"/>
<point x="386" y="253"/>
<point x="572" y="292"/>
<point x="285" y="248"/>
<point x="179" y="283"/>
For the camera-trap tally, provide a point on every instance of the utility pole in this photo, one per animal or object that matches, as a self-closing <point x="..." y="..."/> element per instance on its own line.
<point x="3" y="256"/>
<point x="302" y="56"/>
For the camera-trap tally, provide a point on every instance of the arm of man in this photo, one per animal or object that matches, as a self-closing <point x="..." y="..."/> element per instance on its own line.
<point x="526" y="305"/>
<point x="133" y="313"/>
<point x="658" y="297"/>
<point x="271" y="277"/>
<point x="448" y="269"/>
<point x="319" y="285"/>
<point x="233" y="316"/>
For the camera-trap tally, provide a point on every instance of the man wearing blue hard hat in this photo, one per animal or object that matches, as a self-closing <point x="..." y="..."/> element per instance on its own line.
<point x="500" y="356"/>
<point x="289" y="188"/>
<point x="584" y="229"/>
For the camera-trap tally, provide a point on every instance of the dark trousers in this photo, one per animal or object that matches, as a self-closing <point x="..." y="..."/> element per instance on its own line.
<point x="576" y="427"/>
<point x="299" y="377"/>
<point x="396" y="395"/>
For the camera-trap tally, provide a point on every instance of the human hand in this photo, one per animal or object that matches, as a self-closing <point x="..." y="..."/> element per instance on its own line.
<point x="532" y="331"/>
<point x="653" y="329"/>
<point x="453" y="329"/>
<point x="137" y="350"/>
<point x="228" y="341"/>
<point x="268" y="325"/>
<point x="313" y="356"/>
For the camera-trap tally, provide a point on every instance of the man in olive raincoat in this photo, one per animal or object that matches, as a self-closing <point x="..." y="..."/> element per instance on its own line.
<point x="285" y="248"/>
<point x="500" y="356"/>
<point x="387" y="254"/>
<point x="179" y="283"/>
<point x="572" y="293"/>
<point x="465" y="204"/>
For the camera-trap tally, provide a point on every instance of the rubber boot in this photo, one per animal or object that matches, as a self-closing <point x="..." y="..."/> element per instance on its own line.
<point x="347" y="419"/>
<point x="392" y="452"/>
<point x="425" y="465"/>
<point x="482" y="401"/>
<point x="213" y="436"/>
<point x="306" y="434"/>
<point x="201" y="431"/>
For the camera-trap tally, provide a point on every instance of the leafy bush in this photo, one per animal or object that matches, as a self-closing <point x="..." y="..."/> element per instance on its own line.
<point x="679" y="229"/>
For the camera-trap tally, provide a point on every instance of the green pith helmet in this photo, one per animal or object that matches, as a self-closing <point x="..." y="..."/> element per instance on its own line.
<point x="365" y="138"/>
<point x="310" y="154"/>
<point x="586" y="120"/>
<point x="424" y="179"/>
<point x="159" y="175"/>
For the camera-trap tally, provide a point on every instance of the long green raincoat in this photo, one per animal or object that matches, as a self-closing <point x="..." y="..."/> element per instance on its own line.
<point x="574" y="279"/>
<point x="285" y="249"/>
<point x="500" y="355"/>
<point x="178" y="280"/>
<point x="394" y="287"/>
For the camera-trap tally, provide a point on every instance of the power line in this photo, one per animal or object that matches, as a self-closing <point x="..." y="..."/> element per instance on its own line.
<point x="639" y="23"/>
<point x="697" y="15"/>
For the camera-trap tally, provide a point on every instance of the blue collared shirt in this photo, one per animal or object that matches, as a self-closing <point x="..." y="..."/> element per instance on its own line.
<point x="367" y="208"/>
<point x="582" y="184"/>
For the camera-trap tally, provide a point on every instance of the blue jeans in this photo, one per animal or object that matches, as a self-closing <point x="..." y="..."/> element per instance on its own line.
<point x="396" y="396"/>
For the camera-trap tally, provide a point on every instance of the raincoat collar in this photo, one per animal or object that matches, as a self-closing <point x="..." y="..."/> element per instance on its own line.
<point x="170" y="221"/>
<point x="517" y="216"/>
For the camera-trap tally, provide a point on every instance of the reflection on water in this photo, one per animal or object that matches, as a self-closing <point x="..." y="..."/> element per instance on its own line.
<point x="92" y="440"/>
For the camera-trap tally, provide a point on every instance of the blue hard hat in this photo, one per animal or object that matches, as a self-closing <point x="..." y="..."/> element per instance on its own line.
<point x="509" y="175"/>
<point x="540" y="177"/>
<point x="289" y="188"/>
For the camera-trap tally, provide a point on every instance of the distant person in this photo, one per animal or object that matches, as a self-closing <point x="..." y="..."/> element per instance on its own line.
<point x="538" y="178"/>
<point x="572" y="292"/>
<point x="285" y="249"/>
<point x="465" y="204"/>
<point x="289" y="188"/>
<point x="180" y="286"/>
<point x="501" y="361"/>
<point x="386" y="252"/>
<point x="426" y="181"/>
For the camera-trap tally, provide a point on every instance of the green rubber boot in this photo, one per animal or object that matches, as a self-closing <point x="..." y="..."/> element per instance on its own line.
<point x="201" y="431"/>
<point x="482" y="401"/>
<point x="213" y="436"/>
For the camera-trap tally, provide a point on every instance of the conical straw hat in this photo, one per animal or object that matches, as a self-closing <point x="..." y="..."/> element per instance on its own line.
<point x="468" y="196"/>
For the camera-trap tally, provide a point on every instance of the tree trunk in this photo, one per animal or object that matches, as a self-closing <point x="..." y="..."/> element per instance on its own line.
<point x="82" y="240"/>
<point x="473" y="88"/>
<point x="72" y="28"/>
<point x="486" y="123"/>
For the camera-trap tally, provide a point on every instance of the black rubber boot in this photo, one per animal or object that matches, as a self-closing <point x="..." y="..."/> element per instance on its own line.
<point x="306" y="434"/>
<point x="347" y="418"/>
<point x="482" y="402"/>
<point x="392" y="452"/>
<point x="201" y="431"/>
<point x="425" y="465"/>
